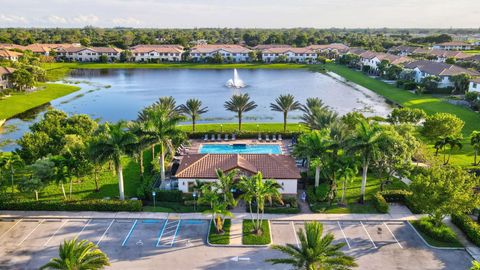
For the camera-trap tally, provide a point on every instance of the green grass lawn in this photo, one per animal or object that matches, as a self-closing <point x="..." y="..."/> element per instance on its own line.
<point x="250" y="238"/>
<point x="220" y="239"/>
<point x="428" y="103"/>
<point x="246" y="127"/>
<point x="434" y="242"/>
<point x="21" y="102"/>
<point x="352" y="196"/>
<point x="472" y="52"/>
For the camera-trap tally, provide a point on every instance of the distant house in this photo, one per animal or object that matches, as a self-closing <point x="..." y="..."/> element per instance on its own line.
<point x="373" y="59"/>
<point x="87" y="54"/>
<point x="424" y="68"/>
<point x="330" y="49"/>
<point x="201" y="167"/>
<point x="262" y="47"/>
<point x="228" y="52"/>
<point x="474" y="85"/>
<point x="298" y="55"/>
<point x="160" y="53"/>
<point x="453" y="46"/>
<point x="407" y="50"/>
<point x="443" y="55"/>
<point x="46" y="48"/>
<point x="9" y="55"/>
<point x="473" y="58"/>
<point x="5" y="73"/>
<point x="112" y="53"/>
<point x="434" y="55"/>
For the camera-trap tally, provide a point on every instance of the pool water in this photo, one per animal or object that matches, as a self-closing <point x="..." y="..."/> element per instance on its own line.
<point x="240" y="149"/>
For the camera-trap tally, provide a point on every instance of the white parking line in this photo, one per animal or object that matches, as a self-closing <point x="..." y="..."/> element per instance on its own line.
<point x="392" y="234"/>
<point x="295" y="234"/>
<point x="344" y="236"/>
<point x="63" y="224"/>
<point x="105" y="232"/>
<point x="176" y="232"/>
<point x="373" y="243"/>
<point x="129" y="233"/>
<point x="30" y="233"/>
<point x="84" y="226"/>
<point x="11" y="228"/>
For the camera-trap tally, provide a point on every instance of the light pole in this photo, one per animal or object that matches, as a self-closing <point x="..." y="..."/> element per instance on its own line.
<point x="154" y="194"/>
<point x="194" y="201"/>
<point x="258" y="128"/>
<point x="298" y="128"/>
<point x="221" y="128"/>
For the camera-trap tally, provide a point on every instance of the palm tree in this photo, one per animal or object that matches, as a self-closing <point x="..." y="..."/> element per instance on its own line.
<point x="475" y="142"/>
<point x="285" y="104"/>
<point x="168" y="104"/>
<point x="256" y="189"/>
<point x="225" y="184"/>
<point x="76" y="255"/>
<point x="450" y="141"/>
<point x="193" y="108"/>
<point x="218" y="209"/>
<point x="365" y="143"/>
<point x="315" y="252"/>
<point x="143" y="142"/>
<point x="10" y="162"/>
<point x="112" y="144"/>
<point x="346" y="173"/>
<point x="316" y="115"/>
<point x="240" y="103"/>
<point x="162" y="130"/>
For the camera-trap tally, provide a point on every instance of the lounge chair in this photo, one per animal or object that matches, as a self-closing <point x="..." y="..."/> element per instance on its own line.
<point x="259" y="137"/>
<point x="212" y="138"/>
<point x="280" y="137"/>
<point x="226" y="137"/>
<point x="274" y="138"/>
<point x="234" y="137"/>
<point x="267" y="139"/>
<point x="219" y="137"/>
<point x="205" y="138"/>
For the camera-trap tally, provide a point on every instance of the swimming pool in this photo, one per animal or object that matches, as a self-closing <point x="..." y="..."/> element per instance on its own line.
<point x="240" y="149"/>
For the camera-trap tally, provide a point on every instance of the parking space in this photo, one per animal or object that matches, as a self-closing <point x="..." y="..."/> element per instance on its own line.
<point x="191" y="233"/>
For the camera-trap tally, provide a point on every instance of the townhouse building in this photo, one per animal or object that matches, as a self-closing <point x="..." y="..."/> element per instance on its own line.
<point x="297" y="55"/>
<point x="9" y="55"/>
<point x="454" y="46"/>
<point x="87" y="54"/>
<point x="373" y="59"/>
<point x="5" y="74"/>
<point x="228" y="52"/>
<point x="157" y="53"/>
<point x="474" y="85"/>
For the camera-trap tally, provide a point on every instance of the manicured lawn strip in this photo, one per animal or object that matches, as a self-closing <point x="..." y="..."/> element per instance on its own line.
<point x="428" y="103"/>
<point x="18" y="103"/>
<point x="220" y="239"/>
<point x="352" y="195"/>
<point x="246" y="127"/>
<point x="249" y="238"/>
<point x="434" y="242"/>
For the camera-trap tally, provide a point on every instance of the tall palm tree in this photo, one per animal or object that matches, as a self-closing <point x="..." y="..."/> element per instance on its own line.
<point x="346" y="173"/>
<point x="143" y="142"/>
<point x="162" y="130"/>
<point x="285" y="104"/>
<point x="256" y="189"/>
<point x="168" y="104"/>
<point x="475" y="142"/>
<point x="193" y="108"/>
<point x="449" y="141"/>
<point x="225" y="184"/>
<point x="240" y="104"/>
<point x="315" y="252"/>
<point x="112" y="144"/>
<point x="314" y="110"/>
<point x="76" y="255"/>
<point x="10" y="162"/>
<point x="365" y="143"/>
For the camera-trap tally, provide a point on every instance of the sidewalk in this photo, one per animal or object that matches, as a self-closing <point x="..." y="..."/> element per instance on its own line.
<point x="471" y="248"/>
<point x="236" y="232"/>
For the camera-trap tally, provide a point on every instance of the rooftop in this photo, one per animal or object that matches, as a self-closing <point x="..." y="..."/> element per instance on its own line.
<point x="439" y="69"/>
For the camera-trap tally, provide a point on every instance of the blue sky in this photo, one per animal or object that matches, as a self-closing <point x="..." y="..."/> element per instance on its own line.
<point x="241" y="13"/>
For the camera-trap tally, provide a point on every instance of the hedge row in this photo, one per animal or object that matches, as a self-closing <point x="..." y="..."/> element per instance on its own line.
<point x="441" y="233"/>
<point x="242" y="134"/>
<point x="382" y="198"/>
<point x="468" y="226"/>
<point x="84" y="205"/>
<point x="380" y="203"/>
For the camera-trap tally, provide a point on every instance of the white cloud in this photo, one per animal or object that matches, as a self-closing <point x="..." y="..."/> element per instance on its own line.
<point x="12" y="19"/>
<point x="129" y="21"/>
<point x="85" y="19"/>
<point x="56" y="19"/>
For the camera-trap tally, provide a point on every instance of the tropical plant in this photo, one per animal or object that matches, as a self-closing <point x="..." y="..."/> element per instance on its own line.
<point x="218" y="208"/>
<point x="240" y="104"/>
<point x="225" y="184"/>
<point x="11" y="162"/>
<point x="285" y="104"/>
<point x="475" y="142"/>
<point x="316" y="115"/>
<point x="112" y="143"/>
<point x="451" y="142"/>
<point x="475" y="265"/>
<point x="347" y="171"/>
<point x="257" y="190"/>
<point x="314" y="252"/>
<point x="143" y="142"/>
<point x="442" y="125"/>
<point x="76" y="255"/>
<point x="193" y="108"/>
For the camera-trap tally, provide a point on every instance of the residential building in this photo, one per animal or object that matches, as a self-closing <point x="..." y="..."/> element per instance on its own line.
<point x="201" y="167"/>
<point x="474" y="85"/>
<point x="9" y="55"/>
<point x="407" y="50"/>
<point x="157" y="53"/>
<point x="297" y="55"/>
<point x="424" y="68"/>
<point x="443" y="55"/>
<point x="262" y="47"/>
<point x="87" y="54"/>
<point x="112" y="53"/>
<point x="432" y="54"/>
<point x="5" y="73"/>
<point x="46" y="48"/>
<point x="373" y="59"/>
<point x="228" y="52"/>
<point x="453" y="46"/>
<point x="330" y="50"/>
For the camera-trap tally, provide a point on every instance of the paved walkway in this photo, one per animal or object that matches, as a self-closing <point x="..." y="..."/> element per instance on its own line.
<point x="469" y="246"/>
<point x="236" y="232"/>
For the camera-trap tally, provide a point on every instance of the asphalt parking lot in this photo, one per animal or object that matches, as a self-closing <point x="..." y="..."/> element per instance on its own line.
<point x="181" y="244"/>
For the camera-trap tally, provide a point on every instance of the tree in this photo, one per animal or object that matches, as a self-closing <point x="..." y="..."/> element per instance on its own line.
<point x="346" y="173"/>
<point x="126" y="56"/>
<point x="258" y="190"/>
<point x="113" y="143"/>
<point x="430" y="82"/>
<point x="442" y="125"/>
<point x="316" y="115"/>
<point x="224" y="185"/>
<point x="314" y="252"/>
<point x="452" y="142"/>
<point x="461" y="83"/>
<point x="475" y="265"/>
<point x="11" y="162"/>
<point x="240" y="104"/>
<point x="285" y="104"/>
<point x="475" y="142"/>
<point x="406" y="115"/>
<point x="445" y="191"/>
<point x="43" y="170"/>
<point x="22" y="79"/>
<point x="193" y="108"/>
<point x="103" y="58"/>
<point x="365" y="143"/>
<point x="75" y="254"/>
<point x="218" y="209"/>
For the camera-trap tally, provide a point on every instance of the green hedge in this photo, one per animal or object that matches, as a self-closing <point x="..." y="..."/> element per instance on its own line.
<point x="382" y="198"/>
<point x="380" y="203"/>
<point x="396" y="195"/>
<point x="84" y="205"/>
<point x="468" y="226"/>
<point x="249" y="238"/>
<point x="242" y="134"/>
<point x="169" y="196"/>
<point x="220" y="239"/>
<point x="441" y="233"/>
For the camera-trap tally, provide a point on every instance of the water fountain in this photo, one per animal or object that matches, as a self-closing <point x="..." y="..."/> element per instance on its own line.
<point x="235" y="82"/>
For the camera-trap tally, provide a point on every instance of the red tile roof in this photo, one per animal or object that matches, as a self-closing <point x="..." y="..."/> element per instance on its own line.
<point x="210" y="48"/>
<point x="6" y="70"/>
<point x="203" y="166"/>
<point x="7" y="54"/>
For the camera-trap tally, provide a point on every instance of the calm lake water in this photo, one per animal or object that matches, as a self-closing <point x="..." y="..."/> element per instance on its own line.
<point x="115" y="94"/>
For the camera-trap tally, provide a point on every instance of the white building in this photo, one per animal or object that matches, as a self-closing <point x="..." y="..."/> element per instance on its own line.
<point x="474" y="85"/>
<point x="330" y="50"/>
<point x="228" y="52"/>
<point x="201" y="167"/>
<point x="157" y="53"/>
<point x="453" y="46"/>
<point x="373" y="59"/>
<point x="5" y="73"/>
<point x="9" y="55"/>
<point x="87" y="54"/>
<point x="424" y="68"/>
<point x="296" y="55"/>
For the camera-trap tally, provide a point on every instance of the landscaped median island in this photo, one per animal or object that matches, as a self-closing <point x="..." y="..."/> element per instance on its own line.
<point x="222" y="238"/>
<point x="436" y="236"/>
<point x="251" y="236"/>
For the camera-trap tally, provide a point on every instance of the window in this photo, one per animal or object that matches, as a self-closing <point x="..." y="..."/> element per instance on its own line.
<point x="474" y="85"/>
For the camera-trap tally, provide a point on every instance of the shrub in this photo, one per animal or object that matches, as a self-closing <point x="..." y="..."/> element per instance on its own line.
<point x="380" y="204"/>
<point x="169" y="196"/>
<point x="84" y="205"/>
<point x="441" y="233"/>
<point x="220" y="239"/>
<point x="409" y="85"/>
<point x="471" y="96"/>
<point x="396" y="195"/>
<point x="468" y="226"/>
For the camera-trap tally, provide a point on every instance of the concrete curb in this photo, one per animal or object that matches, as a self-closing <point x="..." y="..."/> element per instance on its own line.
<point x="434" y="247"/>
<point x="229" y="245"/>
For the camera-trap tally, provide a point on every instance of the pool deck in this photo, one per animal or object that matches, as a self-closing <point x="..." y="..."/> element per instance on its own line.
<point x="196" y="144"/>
